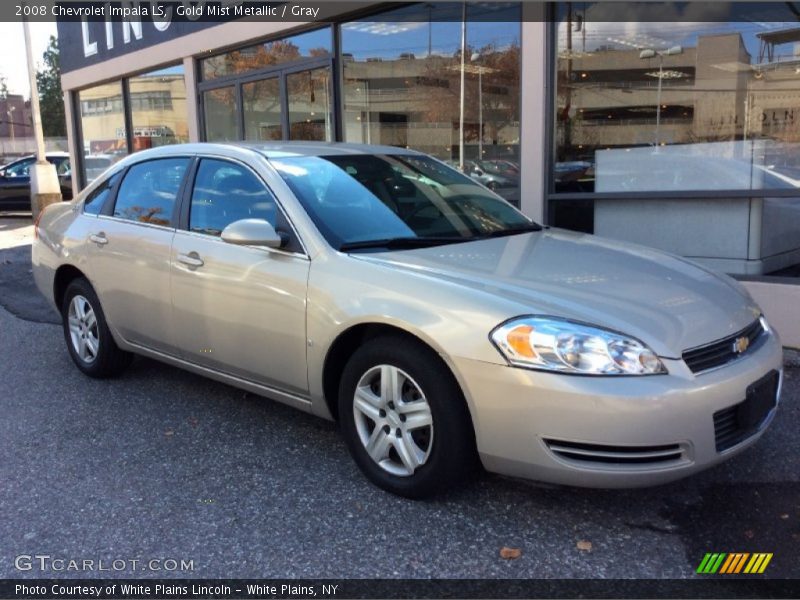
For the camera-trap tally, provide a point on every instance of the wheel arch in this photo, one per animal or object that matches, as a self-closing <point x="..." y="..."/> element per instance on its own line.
<point x="346" y="343"/>
<point x="65" y="274"/>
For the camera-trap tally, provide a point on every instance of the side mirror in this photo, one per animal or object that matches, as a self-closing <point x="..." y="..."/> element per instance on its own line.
<point x="253" y="232"/>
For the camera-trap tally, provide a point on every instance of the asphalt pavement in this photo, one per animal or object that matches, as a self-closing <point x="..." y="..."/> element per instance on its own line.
<point x="162" y="464"/>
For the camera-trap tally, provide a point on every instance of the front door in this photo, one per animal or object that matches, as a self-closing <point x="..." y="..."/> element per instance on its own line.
<point x="239" y="309"/>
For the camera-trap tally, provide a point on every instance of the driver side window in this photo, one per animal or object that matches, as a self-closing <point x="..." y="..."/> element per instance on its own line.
<point x="21" y="169"/>
<point x="225" y="192"/>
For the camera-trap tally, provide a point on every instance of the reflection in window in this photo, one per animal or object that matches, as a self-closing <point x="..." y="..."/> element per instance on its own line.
<point x="94" y="201"/>
<point x="223" y="193"/>
<point x="312" y="44"/>
<point x="675" y="106"/>
<point x="149" y="191"/>
<point x="102" y="128"/>
<point x="262" y="110"/>
<point x="403" y="89"/>
<point x="219" y="112"/>
<point x="704" y="98"/>
<point x="158" y="108"/>
<point x="310" y="116"/>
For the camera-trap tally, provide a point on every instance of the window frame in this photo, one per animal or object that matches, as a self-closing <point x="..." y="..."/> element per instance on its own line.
<point x="281" y="72"/>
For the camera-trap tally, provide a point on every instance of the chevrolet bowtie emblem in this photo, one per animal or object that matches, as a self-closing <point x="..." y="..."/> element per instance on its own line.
<point x="741" y="344"/>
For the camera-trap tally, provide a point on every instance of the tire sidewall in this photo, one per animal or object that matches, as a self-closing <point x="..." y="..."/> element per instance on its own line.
<point x="98" y="367"/>
<point x="452" y="432"/>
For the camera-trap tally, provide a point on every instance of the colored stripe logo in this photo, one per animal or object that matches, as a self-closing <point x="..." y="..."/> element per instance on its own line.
<point x="734" y="563"/>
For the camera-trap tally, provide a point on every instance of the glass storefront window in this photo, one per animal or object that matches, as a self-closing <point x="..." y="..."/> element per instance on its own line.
<point x="311" y="44"/>
<point x="401" y="86"/>
<point x="675" y="106"/>
<point x="219" y="112"/>
<point x="262" y="110"/>
<point x="102" y="128"/>
<point x="681" y="132"/>
<point x="310" y="115"/>
<point x="158" y="108"/>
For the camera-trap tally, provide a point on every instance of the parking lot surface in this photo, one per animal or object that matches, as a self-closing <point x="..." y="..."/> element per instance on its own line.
<point x="162" y="464"/>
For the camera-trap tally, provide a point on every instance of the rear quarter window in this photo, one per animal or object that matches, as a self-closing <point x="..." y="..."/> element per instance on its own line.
<point x="95" y="201"/>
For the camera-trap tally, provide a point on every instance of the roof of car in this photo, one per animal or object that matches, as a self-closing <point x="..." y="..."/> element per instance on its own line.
<point x="286" y="149"/>
<point x="281" y="149"/>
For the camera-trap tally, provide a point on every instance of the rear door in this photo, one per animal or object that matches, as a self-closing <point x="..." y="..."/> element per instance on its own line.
<point x="130" y="245"/>
<point x="239" y="309"/>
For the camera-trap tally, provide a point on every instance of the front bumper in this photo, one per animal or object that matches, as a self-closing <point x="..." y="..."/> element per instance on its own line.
<point x="665" y="421"/>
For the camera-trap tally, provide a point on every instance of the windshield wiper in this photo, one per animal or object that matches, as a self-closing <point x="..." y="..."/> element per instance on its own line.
<point x="401" y="243"/>
<point x="526" y="228"/>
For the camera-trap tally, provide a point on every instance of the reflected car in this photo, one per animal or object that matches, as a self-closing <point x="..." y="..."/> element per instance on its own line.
<point x="96" y="164"/>
<point x="500" y="166"/>
<point x="492" y="179"/>
<point x="15" y="180"/>
<point x="441" y="327"/>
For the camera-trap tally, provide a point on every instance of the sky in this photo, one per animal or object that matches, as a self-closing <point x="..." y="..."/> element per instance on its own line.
<point x="12" y="53"/>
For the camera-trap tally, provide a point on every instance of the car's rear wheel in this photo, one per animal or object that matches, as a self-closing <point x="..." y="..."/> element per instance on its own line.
<point x="404" y="418"/>
<point x="86" y="332"/>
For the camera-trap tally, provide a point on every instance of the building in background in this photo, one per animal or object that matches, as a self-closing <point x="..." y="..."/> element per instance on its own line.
<point x="672" y="125"/>
<point x="16" y="124"/>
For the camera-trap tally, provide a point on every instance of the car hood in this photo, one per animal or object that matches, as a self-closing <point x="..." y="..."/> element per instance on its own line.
<point x="667" y="302"/>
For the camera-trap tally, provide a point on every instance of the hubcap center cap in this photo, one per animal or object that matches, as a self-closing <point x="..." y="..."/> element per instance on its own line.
<point x="393" y="419"/>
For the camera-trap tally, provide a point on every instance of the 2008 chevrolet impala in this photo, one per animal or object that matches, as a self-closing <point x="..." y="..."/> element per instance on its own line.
<point x="435" y="322"/>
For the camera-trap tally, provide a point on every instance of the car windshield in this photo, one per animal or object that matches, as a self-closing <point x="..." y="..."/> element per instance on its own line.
<point x="377" y="201"/>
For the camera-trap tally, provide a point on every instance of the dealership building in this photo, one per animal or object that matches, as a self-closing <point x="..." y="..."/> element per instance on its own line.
<point x="676" y="126"/>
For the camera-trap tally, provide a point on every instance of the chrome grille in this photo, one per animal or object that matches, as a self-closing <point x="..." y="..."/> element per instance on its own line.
<point x="722" y="351"/>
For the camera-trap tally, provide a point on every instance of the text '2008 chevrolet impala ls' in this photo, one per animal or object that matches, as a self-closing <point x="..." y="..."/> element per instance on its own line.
<point x="436" y="323"/>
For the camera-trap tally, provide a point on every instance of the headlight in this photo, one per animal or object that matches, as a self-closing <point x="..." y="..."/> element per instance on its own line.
<point x="557" y="345"/>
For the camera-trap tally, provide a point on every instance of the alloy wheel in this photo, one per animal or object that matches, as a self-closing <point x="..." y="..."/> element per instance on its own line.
<point x="393" y="420"/>
<point x="83" y="329"/>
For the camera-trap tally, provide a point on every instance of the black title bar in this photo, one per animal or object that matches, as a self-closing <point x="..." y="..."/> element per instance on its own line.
<point x="195" y="589"/>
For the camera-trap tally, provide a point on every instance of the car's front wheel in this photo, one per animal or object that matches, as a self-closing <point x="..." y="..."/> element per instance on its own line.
<point x="404" y="418"/>
<point x="86" y="332"/>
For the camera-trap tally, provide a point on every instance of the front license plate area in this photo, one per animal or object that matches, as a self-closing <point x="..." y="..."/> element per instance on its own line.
<point x="760" y="400"/>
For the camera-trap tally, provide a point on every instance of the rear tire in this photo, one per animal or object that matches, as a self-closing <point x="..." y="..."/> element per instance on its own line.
<point x="89" y="340"/>
<point x="405" y="419"/>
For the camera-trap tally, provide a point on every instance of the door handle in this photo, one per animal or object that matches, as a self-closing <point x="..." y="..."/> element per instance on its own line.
<point x="192" y="259"/>
<point x="99" y="238"/>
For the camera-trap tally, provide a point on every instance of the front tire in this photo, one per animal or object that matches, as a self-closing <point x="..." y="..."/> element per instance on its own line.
<point x="89" y="340"/>
<point x="404" y="418"/>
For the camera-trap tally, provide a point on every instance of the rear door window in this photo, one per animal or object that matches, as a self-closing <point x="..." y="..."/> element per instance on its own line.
<point x="149" y="192"/>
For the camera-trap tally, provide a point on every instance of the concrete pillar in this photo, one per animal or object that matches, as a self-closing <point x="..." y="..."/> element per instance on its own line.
<point x="534" y="89"/>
